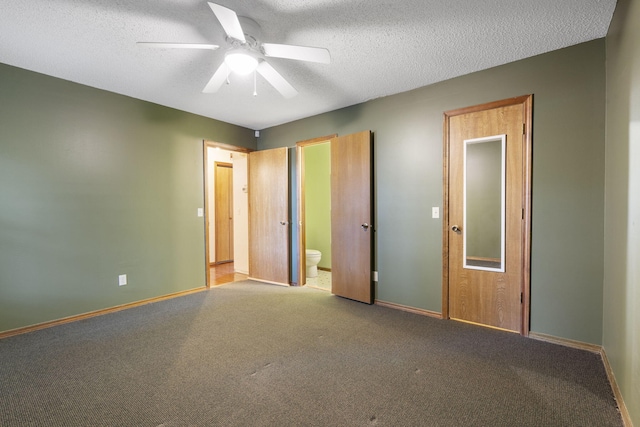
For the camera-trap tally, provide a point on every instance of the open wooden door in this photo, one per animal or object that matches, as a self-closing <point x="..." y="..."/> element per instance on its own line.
<point x="269" y="216"/>
<point x="351" y="219"/>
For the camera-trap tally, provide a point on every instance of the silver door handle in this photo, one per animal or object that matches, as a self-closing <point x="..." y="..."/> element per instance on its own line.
<point x="456" y="229"/>
<point x="365" y="226"/>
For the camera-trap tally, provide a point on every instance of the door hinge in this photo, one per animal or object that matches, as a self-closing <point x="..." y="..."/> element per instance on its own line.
<point x="522" y="213"/>
<point x="524" y="128"/>
<point x="520" y="297"/>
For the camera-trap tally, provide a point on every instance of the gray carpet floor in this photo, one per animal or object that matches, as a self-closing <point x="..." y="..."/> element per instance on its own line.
<point x="249" y="354"/>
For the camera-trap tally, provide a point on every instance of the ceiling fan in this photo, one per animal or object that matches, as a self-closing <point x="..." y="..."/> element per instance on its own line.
<point x="247" y="54"/>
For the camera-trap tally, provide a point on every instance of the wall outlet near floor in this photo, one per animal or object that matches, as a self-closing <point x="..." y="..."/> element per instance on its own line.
<point x="122" y="280"/>
<point x="374" y="276"/>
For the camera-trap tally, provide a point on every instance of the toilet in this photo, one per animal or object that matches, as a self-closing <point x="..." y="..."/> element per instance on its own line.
<point x="313" y="258"/>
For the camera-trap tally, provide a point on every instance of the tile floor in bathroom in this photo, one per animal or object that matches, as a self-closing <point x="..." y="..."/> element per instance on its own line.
<point x="323" y="281"/>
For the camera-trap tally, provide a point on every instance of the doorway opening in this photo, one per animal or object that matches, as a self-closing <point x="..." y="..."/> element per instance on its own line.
<point x="226" y="213"/>
<point x="313" y="159"/>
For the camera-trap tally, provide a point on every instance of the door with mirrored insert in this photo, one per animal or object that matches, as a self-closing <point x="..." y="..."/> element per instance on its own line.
<point x="487" y="185"/>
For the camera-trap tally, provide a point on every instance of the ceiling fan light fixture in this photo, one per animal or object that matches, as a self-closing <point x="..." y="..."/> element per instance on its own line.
<point x="241" y="61"/>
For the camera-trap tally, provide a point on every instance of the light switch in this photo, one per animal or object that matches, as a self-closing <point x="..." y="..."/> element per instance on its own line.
<point x="435" y="212"/>
<point x="200" y="212"/>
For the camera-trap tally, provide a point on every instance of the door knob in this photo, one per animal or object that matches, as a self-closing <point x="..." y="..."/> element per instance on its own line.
<point x="284" y="222"/>
<point x="365" y="226"/>
<point x="455" y="229"/>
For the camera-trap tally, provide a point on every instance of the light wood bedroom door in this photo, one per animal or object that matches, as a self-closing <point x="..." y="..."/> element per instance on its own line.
<point x="351" y="217"/>
<point x="269" y="216"/>
<point x="224" y="211"/>
<point x="487" y="226"/>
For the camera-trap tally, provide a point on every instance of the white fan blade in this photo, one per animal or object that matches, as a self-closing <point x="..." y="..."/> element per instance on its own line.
<point x="229" y="21"/>
<point x="219" y="77"/>
<point x="301" y="53"/>
<point x="180" y="45"/>
<point x="276" y="80"/>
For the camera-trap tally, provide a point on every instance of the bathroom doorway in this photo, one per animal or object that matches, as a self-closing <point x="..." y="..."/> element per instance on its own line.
<point x="226" y="213"/>
<point x="313" y="159"/>
<point x="350" y="226"/>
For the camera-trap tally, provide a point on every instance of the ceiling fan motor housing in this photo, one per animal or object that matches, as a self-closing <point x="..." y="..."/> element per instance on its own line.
<point x="252" y="31"/>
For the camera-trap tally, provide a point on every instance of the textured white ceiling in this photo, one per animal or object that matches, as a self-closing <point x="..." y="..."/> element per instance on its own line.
<point x="378" y="47"/>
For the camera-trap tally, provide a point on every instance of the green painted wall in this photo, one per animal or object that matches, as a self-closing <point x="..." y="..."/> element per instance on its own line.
<point x="93" y="185"/>
<point x="621" y="337"/>
<point x="568" y="182"/>
<point x="317" y="161"/>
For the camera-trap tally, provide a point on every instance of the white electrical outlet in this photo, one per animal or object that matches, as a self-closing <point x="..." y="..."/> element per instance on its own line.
<point x="200" y="212"/>
<point x="375" y="276"/>
<point x="122" y="280"/>
<point x="435" y="212"/>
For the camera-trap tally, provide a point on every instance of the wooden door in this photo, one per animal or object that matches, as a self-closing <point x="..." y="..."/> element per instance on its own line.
<point x="224" y="212"/>
<point x="351" y="219"/>
<point x="269" y="216"/>
<point x="488" y="283"/>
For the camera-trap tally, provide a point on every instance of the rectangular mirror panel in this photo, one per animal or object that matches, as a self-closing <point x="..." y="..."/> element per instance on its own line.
<point x="484" y="203"/>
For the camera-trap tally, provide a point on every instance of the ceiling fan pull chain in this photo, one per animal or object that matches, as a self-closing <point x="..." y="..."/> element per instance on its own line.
<point x="255" y="87"/>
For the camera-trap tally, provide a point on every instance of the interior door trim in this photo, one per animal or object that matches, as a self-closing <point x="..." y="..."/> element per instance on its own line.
<point x="527" y="102"/>
<point x="300" y="226"/>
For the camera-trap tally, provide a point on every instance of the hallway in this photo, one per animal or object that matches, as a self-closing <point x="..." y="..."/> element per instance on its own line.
<point x="224" y="273"/>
